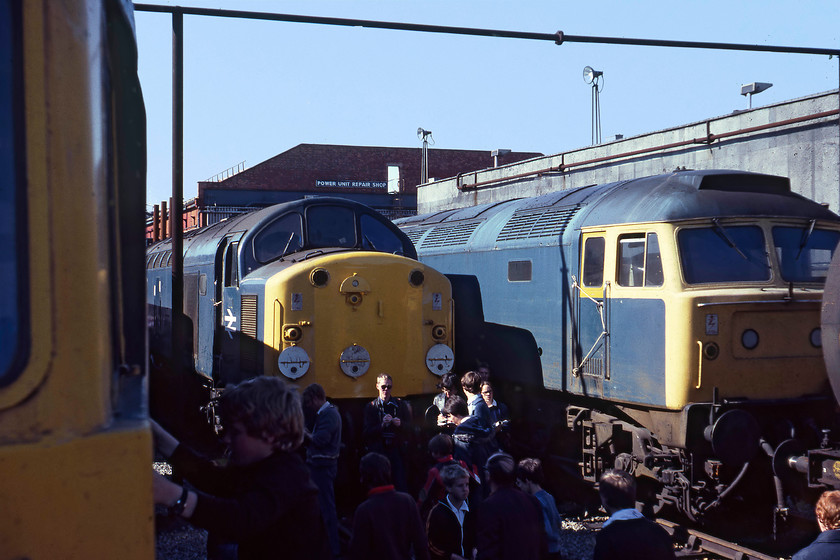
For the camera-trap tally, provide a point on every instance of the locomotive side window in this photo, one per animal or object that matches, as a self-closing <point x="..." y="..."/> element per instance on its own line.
<point x="804" y="253"/>
<point x="519" y="271"/>
<point x="639" y="261"/>
<point x="653" y="262"/>
<point x="12" y="269"/>
<point x="231" y="267"/>
<point x="631" y="261"/>
<point x="593" y="262"/>
<point x="331" y="226"/>
<point x="377" y="237"/>
<point x="723" y="254"/>
<point x="283" y="236"/>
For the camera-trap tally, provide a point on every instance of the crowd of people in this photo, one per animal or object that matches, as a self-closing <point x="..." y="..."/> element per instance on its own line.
<point x="477" y="502"/>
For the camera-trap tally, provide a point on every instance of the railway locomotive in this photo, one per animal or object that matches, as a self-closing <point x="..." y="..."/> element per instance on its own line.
<point x="75" y="444"/>
<point x="320" y="290"/>
<point x="678" y="324"/>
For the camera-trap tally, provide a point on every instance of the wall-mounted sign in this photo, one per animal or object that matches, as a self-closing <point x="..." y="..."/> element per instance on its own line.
<point x="351" y="184"/>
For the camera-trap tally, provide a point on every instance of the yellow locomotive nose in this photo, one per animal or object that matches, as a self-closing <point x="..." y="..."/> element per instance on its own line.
<point x="351" y="315"/>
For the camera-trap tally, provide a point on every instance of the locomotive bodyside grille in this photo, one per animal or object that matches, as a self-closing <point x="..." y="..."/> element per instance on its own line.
<point x="450" y="235"/>
<point x="529" y="224"/>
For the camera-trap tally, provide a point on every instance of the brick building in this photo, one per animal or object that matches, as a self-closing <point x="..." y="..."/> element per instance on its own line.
<point x="383" y="178"/>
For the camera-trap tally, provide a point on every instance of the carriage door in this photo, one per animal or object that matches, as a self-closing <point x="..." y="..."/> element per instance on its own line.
<point x="591" y="349"/>
<point x="228" y="312"/>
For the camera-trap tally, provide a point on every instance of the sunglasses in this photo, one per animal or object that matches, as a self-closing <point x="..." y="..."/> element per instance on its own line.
<point x="385" y="386"/>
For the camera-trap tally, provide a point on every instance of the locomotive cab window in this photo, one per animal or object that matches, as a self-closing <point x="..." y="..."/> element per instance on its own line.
<point x="331" y="226"/>
<point x="723" y="253"/>
<point x="593" y="262"/>
<point x="280" y="238"/>
<point x="805" y="252"/>
<point x="639" y="261"/>
<point x="231" y="266"/>
<point x="377" y="237"/>
<point x="13" y="329"/>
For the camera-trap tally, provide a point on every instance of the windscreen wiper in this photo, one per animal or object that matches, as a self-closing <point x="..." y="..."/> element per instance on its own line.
<point x="725" y="236"/>
<point x="806" y="235"/>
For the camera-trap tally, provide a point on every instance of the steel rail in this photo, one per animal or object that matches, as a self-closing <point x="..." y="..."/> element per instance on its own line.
<point x="697" y="541"/>
<point x="558" y="38"/>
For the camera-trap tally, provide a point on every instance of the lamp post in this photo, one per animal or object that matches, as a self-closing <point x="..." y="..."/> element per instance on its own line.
<point x="751" y="89"/>
<point x="596" y="78"/>
<point x="424" y="155"/>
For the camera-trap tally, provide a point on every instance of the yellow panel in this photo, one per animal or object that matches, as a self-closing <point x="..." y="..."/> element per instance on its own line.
<point x="390" y="318"/>
<point x="87" y="498"/>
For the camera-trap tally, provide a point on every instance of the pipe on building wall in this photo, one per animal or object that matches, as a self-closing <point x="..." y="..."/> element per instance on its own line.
<point x="156" y="224"/>
<point x="708" y="139"/>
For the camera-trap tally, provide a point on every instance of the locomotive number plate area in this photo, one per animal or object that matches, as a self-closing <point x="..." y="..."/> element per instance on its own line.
<point x="437" y="301"/>
<point x="711" y="324"/>
<point x="297" y="301"/>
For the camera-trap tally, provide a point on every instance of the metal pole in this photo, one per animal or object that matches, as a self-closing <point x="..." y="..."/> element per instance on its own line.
<point x="558" y="38"/>
<point x="177" y="206"/>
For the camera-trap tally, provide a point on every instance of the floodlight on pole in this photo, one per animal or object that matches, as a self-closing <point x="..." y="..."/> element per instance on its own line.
<point x="423" y="135"/>
<point x="751" y="89"/>
<point x="596" y="78"/>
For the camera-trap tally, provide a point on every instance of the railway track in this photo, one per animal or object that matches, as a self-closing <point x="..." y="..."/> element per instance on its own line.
<point x="696" y="544"/>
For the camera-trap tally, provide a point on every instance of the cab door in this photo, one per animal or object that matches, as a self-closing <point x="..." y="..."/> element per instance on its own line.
<point x="590" y="365"/>
<point x="228" y="310"/>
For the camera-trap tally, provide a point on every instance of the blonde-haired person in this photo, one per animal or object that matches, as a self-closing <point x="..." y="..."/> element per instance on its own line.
<point x="827" y="543"/>
<point x="264" y="500"/>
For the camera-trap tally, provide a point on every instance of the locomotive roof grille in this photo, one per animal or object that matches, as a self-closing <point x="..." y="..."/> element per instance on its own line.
<point x="449" y="235"/>
<point x="415" y="234"/>
<point x="543" y="222"/>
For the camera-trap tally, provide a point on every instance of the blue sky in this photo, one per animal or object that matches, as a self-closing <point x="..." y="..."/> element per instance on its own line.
<point x="254" y="89"/>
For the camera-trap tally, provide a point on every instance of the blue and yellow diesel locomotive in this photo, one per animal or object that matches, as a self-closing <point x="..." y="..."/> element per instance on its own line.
<point x="75" y="444"/>
<point x="320" y="290"/>
<point x="678" y="314"/>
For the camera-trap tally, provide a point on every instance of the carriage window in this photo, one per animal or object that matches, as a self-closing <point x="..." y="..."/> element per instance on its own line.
<point x="519" y="271"/>
<point x="281" y="237"/>
<point x="639" y="261"/>
<point x="376" y="236"/>
<point x="804" y="253"/>
<point x="12" y="269"/>
<point x="593" y="262"/>
<point x="723" y="254"/>
<point x="331" y="226"/>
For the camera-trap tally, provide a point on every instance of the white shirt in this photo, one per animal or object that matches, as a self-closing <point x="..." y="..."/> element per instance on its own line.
<point x="461" y="512"/>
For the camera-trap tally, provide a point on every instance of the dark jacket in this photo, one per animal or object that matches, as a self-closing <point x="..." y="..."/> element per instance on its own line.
<point x="510" y="525"/>
<point x="446" y="535"/>
<point x="382" y="439"/>
<point x="474" y="442"/>
<point x="387" y="526"/>
<point x="633" y="539"/>
<point x="825" y="547"/>
<point x="325" y="443"/>
<point x="270" y="508"/>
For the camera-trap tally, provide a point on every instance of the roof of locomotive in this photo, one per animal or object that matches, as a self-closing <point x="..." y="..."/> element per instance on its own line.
<point x="680" y="195"/>
<point x="688" y="195"/>
<point x="202" y="243"/>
